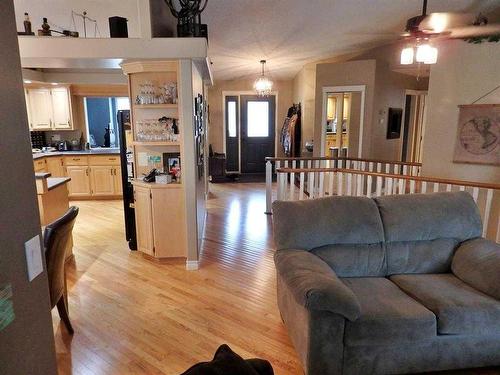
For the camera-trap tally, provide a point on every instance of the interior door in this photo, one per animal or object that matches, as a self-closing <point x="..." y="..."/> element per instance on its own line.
<point x="257" y="132"/>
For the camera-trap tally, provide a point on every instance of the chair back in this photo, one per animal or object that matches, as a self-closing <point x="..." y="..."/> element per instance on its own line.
<point x="57" y="238"/>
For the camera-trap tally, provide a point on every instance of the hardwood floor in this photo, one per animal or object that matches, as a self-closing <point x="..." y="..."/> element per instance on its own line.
<point x="134" y="316"/>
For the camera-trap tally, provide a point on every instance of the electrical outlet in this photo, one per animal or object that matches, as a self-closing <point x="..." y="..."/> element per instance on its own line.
<point x="34" y="262"/>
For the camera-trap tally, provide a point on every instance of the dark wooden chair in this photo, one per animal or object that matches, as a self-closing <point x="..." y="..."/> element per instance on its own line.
<point x="57" y="239"/>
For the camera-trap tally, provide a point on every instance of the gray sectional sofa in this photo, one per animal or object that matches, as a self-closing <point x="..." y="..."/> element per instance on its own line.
<point x="395" y="284"/>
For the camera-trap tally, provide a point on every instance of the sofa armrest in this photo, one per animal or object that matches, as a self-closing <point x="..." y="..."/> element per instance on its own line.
<point x="477" y="263"/>
<point x="314" y="284"/>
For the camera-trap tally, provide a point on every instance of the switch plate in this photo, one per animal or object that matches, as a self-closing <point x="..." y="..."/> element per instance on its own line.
<point x="33" y="252"/>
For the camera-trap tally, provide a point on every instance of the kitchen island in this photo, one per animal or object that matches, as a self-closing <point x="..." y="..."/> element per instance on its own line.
<point x="52" y="193"/>
<point x="53" y="201"/>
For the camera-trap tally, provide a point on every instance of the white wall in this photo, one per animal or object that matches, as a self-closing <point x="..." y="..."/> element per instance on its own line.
<point x="58" y="12"/>
<point x="464" y="73"/>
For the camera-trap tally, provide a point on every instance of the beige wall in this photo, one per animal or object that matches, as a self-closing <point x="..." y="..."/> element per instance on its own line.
<point x="345" y="74"/>
<point x="384" y="88"/>
<point x="216" y="126"/>
<point x="304" y="85"/>
<point x="464" y="73"/>
<point x="389" y="92"/>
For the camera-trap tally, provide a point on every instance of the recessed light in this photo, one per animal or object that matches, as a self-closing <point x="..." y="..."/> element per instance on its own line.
<point x="26" y="81"/>
<point x="54" y="84"/>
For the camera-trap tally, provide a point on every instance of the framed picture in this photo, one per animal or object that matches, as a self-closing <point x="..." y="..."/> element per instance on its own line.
<point x="478" y="134"/>
<point x="172" y="164"/>
<point x="394" y="123"/>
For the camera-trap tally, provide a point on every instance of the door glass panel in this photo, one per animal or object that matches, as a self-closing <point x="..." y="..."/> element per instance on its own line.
<point x="231" y="119"/>
<point x="258" y="119"/>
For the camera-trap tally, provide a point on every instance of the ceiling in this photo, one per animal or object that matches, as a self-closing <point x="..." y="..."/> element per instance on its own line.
<point x="291" y="33"/>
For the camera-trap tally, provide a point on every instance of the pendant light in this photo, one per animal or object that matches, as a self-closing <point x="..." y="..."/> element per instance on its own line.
<point x="263" y="85"/>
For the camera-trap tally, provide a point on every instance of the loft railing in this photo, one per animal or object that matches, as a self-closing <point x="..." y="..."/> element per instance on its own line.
<point x="367" y="165"/>
<point x="344" y="181"/>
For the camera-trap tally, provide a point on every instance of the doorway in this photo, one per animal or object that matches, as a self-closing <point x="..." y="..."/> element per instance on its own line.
<point x="342" y="125"/>
<point x="250" y="123"/>
<point x="413" y="129"/>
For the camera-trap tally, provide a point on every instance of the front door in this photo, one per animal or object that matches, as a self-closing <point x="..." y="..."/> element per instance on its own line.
<point x="257" y="132"/>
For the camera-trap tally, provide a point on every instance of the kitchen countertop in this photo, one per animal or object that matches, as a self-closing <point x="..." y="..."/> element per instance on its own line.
<point x="99" y="151"/>
<point x="53" y="182"/>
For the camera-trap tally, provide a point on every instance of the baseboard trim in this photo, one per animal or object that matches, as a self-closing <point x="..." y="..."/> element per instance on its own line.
<point x="192" y="265"/>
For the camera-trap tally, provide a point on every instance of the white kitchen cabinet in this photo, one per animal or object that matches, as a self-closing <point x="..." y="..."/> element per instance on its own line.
<point x="61" y="108"/>
<point x="40" y="109"/>
<point x="49" y="108"/>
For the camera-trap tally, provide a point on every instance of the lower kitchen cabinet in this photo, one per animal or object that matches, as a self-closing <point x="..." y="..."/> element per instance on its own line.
<point x="91" y="176"/>
<point x="102" y="180"/>
<point x="143" y="220"/>
<point x="160" y="220"/>
<point x="40" y="165"/>
<point x="79" y="186"/>
<point x="55" y="166"/>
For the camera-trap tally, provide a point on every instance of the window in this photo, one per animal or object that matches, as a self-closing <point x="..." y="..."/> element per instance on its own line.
<point x="100" y="115"/>
<point x="231" y="118"/>
<point x="258" y="119"/>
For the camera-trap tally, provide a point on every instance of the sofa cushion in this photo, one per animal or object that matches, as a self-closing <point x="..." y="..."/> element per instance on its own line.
<point x="477" y="262"/>
<point x="388" y="315"/>
<point x="433" y="256"/>
<point x="460" y="309"/>
<point x="422" y="230"/>
<point x="354" y="260"/>
<point x="306" y="225"/>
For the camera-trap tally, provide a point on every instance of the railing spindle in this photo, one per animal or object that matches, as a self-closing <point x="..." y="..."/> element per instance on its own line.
<point x="378" y="192"/>
<point x="349" y="184"/>
<point x="269" y="186"/>
<point x="424" y="187"/>
<point x="369" y="186"/>
<point x="340" y="183"/>
<point x="475" y="193"/>
<point x="310" y="177"/>
<point x="436" y="187"/>
<point x="412" y="186"/>
<point x="487" y="209"/>
<point x="292" y="181"/>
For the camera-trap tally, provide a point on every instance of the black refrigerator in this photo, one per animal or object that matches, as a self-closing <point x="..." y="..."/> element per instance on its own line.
<point x="127" y="168"/>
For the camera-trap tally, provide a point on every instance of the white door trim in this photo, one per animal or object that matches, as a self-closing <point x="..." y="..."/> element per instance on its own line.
<point x="341" y="89"/>
<point x="224" y="122"/>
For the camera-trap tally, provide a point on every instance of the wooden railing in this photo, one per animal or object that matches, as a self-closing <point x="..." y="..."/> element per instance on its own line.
<point x="343" y="181"/>
<point x="367" y="165"/>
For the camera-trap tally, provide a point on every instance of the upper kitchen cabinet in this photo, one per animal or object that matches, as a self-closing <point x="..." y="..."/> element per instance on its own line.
<point x="49" y="108"/>
<point x="40" y="109"/>
<point x="61" y="108"/>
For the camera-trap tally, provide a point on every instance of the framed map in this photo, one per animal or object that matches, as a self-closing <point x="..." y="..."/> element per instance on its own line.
<point x="478" y="134"/>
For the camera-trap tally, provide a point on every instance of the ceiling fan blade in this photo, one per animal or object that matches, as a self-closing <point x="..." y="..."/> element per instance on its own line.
<point x="442" y="22"/>
<point x="473" y="31"/>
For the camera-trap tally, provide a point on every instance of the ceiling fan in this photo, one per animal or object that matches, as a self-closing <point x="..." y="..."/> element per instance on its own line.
<point x="421" y="29"/>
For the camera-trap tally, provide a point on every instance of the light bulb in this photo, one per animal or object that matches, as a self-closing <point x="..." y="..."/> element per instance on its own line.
<point x="426" y="54"/>
<point x="407" y="56"/>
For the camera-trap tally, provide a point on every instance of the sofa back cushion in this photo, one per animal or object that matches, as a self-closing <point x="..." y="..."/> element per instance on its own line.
<point x="309" y="224"/>
<point x="422" y="231"/>
<point x="346" y="232"/>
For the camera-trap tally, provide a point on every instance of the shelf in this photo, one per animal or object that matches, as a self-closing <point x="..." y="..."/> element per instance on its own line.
<point x="156" y="106"/>
<point x="139" y="143"/>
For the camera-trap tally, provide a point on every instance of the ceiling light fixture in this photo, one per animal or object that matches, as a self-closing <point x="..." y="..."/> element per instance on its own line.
<point x="263" y="85"/>
<point x="53" y="83"/>
<point x="26" y="81"/>
<point x="423" y="53"/>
